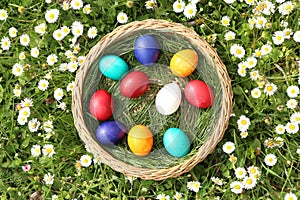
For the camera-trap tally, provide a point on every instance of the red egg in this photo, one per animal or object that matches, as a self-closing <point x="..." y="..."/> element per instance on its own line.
<point x="134" y="84"/>
<point x="101" y="105"/>
<point x="199" y="94"/>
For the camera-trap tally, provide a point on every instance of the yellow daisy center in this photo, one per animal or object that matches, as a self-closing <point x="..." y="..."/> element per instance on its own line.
<point x="51" y="16"/>
<point x="269" y="88"/>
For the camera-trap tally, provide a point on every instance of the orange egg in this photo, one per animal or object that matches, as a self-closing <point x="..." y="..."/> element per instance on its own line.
<point x="184" y="62"/>
<point x="140" y="140"/>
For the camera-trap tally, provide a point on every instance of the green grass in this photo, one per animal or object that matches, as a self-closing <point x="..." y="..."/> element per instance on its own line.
<point x="99" y="181"/>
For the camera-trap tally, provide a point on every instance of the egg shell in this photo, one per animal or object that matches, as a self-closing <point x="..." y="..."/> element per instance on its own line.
<point x="110" y="132"/>
<point x="134" y="84"/>
<point x="176" y="142"/>
<point x="140" y="140"/>
<point x="168" y="99"/>
<point x="146" y="49"/>
<point x="184" y="62"/>
<point x="113" y="67"/>
<point x="101" y="105"/>
<point x="199" y="94"/>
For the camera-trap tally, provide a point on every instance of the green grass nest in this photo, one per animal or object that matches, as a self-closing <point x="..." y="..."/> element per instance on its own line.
<point x="196" y="123"/>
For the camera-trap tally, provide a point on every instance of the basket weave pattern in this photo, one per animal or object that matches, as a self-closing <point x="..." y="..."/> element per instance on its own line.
<point x="202" y="152"/>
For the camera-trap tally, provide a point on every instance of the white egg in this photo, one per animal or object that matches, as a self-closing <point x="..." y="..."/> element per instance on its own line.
<point x="168" y="99"/>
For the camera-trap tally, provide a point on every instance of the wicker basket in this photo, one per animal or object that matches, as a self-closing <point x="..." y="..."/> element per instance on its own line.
<point x="86" y="75"/>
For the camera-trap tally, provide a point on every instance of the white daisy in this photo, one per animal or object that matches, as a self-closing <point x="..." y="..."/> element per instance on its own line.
<point x="292" y="127"/>
<point x="242" y="72"/>
<point x="36" y="150"/>
<point x="257" y="53"/>
<point x="52" y="15"/>
<point x="17" y="92"/>
<point x="230" y="35"/>
<point x="217" y="180"/>
<point x="72" y="66"/>
<point x="58" y="94"/>
<point x="251" y="22"/>
<point x="251" y="62"/>
<point x="228" y="147"/>
<point x="12" y="31"/>
<point x="48" y="179"/>
<point x="17" y="69"/>
<point x="240" y="172"/>
<point x="70" y="86"/>
<point x="85" y="160"/>
<point x="69" y="54"/>
<point x="270" y="159"/>
<point x="292" y="103"/>
<point x="292" y="91"/>
<point x="77" y="28"/>
<point x="278" y="37"/>
<point x="34" y="125"/>
<point x="92" y="32"/>
<point x="24" y="40"/>
<point x="87" y="9"/>
<point x="22" y="120"/>
<point x="65" y="6"/>
<point x="163" y="197"/>
<point x="279" y="141"/>
<point x="48" y="126"/>
<point x="22" y="55"/>
<point x="63" y="67"/>
<point x="229" y="1"/>
<point x="194" y="186"/>
<point x="270" y="89"/>
<point x="244" y="134"/>
<point x="80" y="60"/>
<point x="65" y="30"/>
<point x="178" y="6"/>
<point x="5" y="43"/>
<point x="249" y="182"/>
<point x="40" y="29"/>
<point x="260" y="22"/>
<point x="27" y="102"/>
<point x="34" y="52"/>
<point x="62" y="106"/>
<point x="295" y="117"/>
<point x="280" y="129"/>
<point x="3" y="15"/>
<point x="254" y="75"/>
<point x="129" y="4"/>
<point x="266" y="49"/>
<point x="237" y="51"/>
<point x="225" y="21"/>
<point x="51" y="59"/>
<point x="76" y="4"/>
<point x="150" y="4"/>
<point x="256" y="93"/>
<point x="43" y="84"/>
<point x="286" y="8"/>
<point x="296" y="36"/>
<point x="290" y="196"/>
<point x="236" y="187"/>
<point x="177" y="196"/>
<point x="243" y="123"/>
<point x="190" y="11"/>
<point x="58" y="35"/>
<point x="48" y="150"/>
<point x="288" y="33"/>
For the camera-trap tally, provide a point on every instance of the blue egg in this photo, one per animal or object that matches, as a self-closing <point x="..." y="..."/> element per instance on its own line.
<point x="113" y="67"/>
<point x="110" y="132"/>
<point x="146" y="49"/>
<point x="176" y="142"/>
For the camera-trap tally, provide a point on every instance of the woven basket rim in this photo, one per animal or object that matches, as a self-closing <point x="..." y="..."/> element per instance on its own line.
<point x="208" y="146"/>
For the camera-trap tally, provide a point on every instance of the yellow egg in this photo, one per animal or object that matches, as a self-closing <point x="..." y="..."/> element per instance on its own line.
<point x="140" y="140"/>
<point x="184" y="62"/>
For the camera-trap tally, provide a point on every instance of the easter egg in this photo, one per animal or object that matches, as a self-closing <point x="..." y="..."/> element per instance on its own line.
<point x="184" y="62"/>
<point x="101" y="105"/>
<point x="113" y="67"/>
<point x="110" y="132"/>
<point x="134" y="84"/>
<point x="168" y="99"/>
<point x="146" y="49"/>
<point x="176" y="142"/>
<point x="199" y="94"/>
<point x="140" y="140"/>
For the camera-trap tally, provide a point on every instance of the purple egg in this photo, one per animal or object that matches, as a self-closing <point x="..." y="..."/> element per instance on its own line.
<point x="110" y="132"/>
<point x="146" y="49"/>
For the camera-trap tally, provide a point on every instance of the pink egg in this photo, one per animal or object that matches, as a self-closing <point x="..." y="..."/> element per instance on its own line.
<point x="134" y="84"/>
